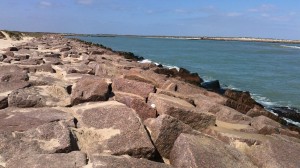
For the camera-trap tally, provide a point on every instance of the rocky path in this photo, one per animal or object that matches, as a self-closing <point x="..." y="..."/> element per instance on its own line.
<point x="66" y="103"/>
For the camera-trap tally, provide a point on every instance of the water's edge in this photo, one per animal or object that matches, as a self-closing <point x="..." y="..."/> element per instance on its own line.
<point x="290" y="114"/>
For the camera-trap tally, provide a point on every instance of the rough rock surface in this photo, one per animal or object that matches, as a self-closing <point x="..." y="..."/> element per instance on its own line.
<point x="164" y="130"/>
<point x="90" y="89"/>
<point x="69" y="103"/>
<point x="181" y="110"/>
<point x="201" y="151"/>
<point x="112" y="128"/>
<point x="64" y="160"/>
<point x="134" y="87"/>
<point x="124" y="162"/>
<point x="137" y="103"/>
<point x="277" y="151"/>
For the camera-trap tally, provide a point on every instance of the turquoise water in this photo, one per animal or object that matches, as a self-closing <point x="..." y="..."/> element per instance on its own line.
<point x="270" y="71"/>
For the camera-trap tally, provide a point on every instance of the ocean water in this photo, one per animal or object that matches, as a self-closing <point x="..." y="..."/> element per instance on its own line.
<point x="270" y="71"/>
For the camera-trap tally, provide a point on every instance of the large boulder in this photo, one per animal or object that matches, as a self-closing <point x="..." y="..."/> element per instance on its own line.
<point x="267" y="126"/>
<point x="74" y="159"/>
<point x="90" y="89"/>
<point x="240" y="101"/>
<point x="261" y="121"/>
<point x="276" y="152"/>
<point x="39" y="96"/>
<point x="147" y="76"/>
<point x="182" y="87"/>
<point x="164" y="130"/>
<point x="137" y="103"/>
<point x="3" y="102"/>
<point x="54" y="137"/>
<point x="202" y="151"/>
<point x="12" y="78"/>
<point x="139" y="88"/>
<point x="17" y="119"/>
<point x="112" y="128"/>
<point x="227" y="114"/>
<point x="104" y="161"/>
<point x="181" y="110"/>
<point x="288" y="112"/>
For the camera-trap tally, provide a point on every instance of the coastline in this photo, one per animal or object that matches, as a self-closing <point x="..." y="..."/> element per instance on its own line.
<point x="289" y="113"/>
<point x="241" y="39"/>
<point x="90" y="104"/>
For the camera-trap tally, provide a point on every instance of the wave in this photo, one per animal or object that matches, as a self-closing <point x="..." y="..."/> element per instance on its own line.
<point x="288" y="46"/>
<point x="145" y="61"/>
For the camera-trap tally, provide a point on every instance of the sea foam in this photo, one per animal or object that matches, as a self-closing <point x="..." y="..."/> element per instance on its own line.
<point x="145" y="61"/>
<point x="288" y="46"/>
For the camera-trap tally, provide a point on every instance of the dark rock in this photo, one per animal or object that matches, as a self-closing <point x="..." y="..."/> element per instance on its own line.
<point x="134" y="87"/>
<point x="3" y="102"/>
<point x="287" y="112"/>
<point x="168" y="72"/>
<point x="212" y="85"/>
<point x="137" y="103"/>
<point x="164" y="130"/>
<point x="53" y="55"/>
<point x="104" y="161"/>
<point x="74" y="159"/>
<point x="112" y="128"/>
<point x="181" y="110"/>
<point x="183" y="74"/>
<point x="65" y="49"/>
<point x="201" y="151"/>
<point x="240" y="101"/>
<point x="22" y="57"/>
<point x="189" y="77"/>
<point x="2" y="57"/>
<point x="96" y="52"/>
<point x="129" y="55"/>
<point x="90" y="89"/>
<point x="13" y="49"/>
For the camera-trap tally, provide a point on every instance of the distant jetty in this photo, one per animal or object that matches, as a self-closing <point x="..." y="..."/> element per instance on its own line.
<point x="243" y="39"/>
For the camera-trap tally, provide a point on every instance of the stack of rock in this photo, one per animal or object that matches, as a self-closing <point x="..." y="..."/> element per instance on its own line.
<point x="66" y="103"/>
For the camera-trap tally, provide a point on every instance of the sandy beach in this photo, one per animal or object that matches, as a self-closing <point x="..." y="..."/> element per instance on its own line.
<point x="8" y="42"/>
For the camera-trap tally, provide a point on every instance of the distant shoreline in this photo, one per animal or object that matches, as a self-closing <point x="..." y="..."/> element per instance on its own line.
<point x="242" y="39"/>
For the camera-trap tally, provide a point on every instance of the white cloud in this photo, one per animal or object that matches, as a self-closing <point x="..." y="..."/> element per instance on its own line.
<point x="85" y="2"/>
<point x="262" y="8"/>
<point x="45" y="4"/>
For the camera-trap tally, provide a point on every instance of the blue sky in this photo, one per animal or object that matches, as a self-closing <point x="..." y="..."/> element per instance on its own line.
<point x="239" y="18"/>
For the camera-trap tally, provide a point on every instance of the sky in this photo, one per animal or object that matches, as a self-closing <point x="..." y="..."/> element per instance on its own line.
<point x="226" y="18"/>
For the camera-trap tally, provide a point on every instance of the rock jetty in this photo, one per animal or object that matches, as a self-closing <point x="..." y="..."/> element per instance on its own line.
<point x="67" y="103"/>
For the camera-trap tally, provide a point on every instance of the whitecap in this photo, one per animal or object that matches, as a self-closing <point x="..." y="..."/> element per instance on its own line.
<point x="145" y="61"/>
<point x="171" y="67"/>
<point x="288" y="46"/>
